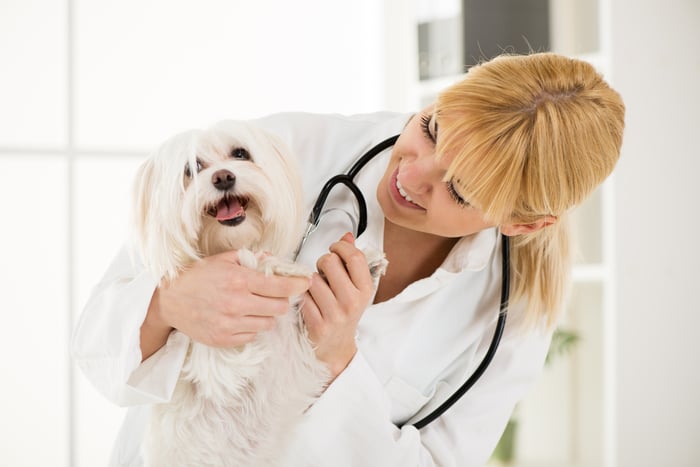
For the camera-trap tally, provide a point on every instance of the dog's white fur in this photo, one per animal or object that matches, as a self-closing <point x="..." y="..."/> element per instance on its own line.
<point x="231" y="407"/>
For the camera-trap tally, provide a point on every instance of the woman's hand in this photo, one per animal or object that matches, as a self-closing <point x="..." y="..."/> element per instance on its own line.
<point x="334" y="306"/>
<point x="217" y="302"/>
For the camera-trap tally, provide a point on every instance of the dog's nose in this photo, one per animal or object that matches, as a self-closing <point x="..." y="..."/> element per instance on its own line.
<point x="223" y="180"/>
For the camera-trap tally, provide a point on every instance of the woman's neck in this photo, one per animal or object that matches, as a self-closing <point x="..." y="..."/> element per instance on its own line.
<point x="412" y="256"/>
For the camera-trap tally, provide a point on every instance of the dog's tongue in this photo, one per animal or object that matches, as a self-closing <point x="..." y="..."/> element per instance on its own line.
<point x="229" y="208"/>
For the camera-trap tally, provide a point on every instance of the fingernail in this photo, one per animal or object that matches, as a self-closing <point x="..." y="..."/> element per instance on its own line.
<point x="348" y="237"/>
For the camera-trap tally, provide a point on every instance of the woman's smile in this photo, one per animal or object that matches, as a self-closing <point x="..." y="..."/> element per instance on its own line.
<point x="399" y="193"/>
<point x="413" y="192"/>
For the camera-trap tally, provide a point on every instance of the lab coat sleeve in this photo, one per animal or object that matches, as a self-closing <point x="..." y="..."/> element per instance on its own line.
<point x="350" y="424"/>
<point x="106" y="339"/>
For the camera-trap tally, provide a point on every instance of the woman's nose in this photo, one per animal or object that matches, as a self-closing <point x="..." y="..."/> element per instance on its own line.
<point x="421" y="174"/>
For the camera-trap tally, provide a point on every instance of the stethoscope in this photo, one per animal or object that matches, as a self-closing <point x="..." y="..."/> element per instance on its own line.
<point x="347" y="179"/>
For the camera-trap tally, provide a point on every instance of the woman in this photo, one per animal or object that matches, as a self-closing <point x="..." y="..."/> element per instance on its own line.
<point x="509" y="150"/>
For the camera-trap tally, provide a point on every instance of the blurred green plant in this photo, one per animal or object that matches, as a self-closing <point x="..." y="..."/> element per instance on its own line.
<point x="563" y="342"/>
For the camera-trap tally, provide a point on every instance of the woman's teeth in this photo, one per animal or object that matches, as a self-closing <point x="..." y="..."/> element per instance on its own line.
<point x="403" y="192"/>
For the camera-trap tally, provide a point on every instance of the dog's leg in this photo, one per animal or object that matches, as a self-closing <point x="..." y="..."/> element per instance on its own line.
<point x="377" y="262"/>
<point x="273" y="265"/>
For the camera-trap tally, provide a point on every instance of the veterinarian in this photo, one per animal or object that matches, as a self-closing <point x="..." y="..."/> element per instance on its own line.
<point x="510" y="150"/>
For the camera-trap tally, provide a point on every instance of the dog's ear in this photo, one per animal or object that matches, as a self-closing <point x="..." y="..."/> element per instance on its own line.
<point x="287" y="222"/>
<point x="166" y="242"/>
<point x="143" y="187"/>
<point x="156" y="201"/>
<point x="143" y="201"/>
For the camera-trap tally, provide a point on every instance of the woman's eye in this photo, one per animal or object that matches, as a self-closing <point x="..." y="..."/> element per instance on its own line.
<point x="454" y="195"/>
<point x="240" y="153"/>
<point x="425" y="123"/>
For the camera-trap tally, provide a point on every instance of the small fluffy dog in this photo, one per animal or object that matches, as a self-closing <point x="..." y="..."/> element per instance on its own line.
<point x="203" y="192"/>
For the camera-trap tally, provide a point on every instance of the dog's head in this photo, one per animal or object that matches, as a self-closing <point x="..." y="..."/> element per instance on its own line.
<point x="206" y="191"/>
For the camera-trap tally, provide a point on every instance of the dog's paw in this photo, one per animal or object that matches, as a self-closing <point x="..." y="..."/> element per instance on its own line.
<point x="248" y="259"/>
<point x="273" y="265"/>
<point x="270" y="265"/>
<point x="377" y="262"/>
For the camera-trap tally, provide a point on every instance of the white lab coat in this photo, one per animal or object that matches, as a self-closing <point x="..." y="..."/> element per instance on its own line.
<point x="414" y="350"/>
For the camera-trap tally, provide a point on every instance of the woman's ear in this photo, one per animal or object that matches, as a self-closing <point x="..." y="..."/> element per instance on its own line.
<point x="513" y="229"/>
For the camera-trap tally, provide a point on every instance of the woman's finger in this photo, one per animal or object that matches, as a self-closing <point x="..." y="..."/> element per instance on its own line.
<point x="323" y="297"/>
<point x="254" y="324"/>
<point x="239" y="329"/>
<point x="241" y="338"/>
<point x="257" y="306"/>
<point x="355" y="263"/>
<point x="338" y="278"/>
<point x="311" y="313"/>
<point x="276" y="286"/>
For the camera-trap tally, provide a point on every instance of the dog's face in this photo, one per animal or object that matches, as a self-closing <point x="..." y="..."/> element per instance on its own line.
<point x="206" y="191"/>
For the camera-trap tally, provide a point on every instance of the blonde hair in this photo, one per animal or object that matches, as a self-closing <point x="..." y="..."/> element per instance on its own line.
<point x="531" y="136"/>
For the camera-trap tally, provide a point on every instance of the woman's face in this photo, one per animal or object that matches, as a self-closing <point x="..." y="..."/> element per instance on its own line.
<point x="414" y="193"/>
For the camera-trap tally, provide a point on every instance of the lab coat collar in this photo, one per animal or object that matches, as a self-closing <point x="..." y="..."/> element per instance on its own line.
<point x="471" y="253"/>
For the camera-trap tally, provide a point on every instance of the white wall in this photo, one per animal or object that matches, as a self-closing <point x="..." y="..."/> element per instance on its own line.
<point x="656" y="67"/>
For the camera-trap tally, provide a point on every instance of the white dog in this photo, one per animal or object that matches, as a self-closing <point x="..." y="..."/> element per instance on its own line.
<point x="204" y="192"/>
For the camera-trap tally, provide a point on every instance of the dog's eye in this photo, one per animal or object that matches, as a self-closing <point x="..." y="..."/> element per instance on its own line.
<point x="240" y="153"/>
<point x="188" y="171"/>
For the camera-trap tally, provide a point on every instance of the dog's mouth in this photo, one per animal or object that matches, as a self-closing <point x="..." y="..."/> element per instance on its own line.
<point x="230" y="210"/>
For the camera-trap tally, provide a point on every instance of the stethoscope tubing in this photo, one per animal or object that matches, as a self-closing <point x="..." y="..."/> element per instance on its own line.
<point x="490" y="352"/>
<point x="347" y="179"/>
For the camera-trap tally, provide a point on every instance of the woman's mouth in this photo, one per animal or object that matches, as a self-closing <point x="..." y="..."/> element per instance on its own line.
<point x="400" y="194"/>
